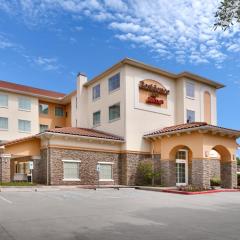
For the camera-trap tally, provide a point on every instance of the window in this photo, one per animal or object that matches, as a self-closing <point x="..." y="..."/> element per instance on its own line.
<point x="190" y="90"/>
<point x="96" y="118"/>
<point x="3" y="123"/>
<point x="114" y="112"/>
<point x="24" y="104"/>
<point x="24" y="125"/>
<point x="59" y="112"/>
<point x="190" y="116"/>
<point x="43" y="108"/>
<point x="96" y="92"/>
<point x="43" y="127"/>
<point x="114" y="82"/>
<point x="71" y="170"/>
<point x="3" y="100"/>
<point x="105" y="171"/>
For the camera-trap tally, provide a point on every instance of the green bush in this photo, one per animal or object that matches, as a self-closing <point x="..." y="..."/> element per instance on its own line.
<point x="146" y="173"/>
<point x="238" y="179"/>
<point x="215" y="181"/>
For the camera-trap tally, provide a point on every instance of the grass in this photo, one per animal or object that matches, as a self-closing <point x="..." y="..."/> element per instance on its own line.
<point x="16" y="184"/>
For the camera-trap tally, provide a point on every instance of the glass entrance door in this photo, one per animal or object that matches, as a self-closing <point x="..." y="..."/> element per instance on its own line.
<point x="182" y="167"/>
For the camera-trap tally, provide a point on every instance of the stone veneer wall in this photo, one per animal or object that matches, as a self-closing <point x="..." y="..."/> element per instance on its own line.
<point x="215" y="169"/>
<point x="128" y="166"/>
<point x="229" y="174"/>
<point x="88" y="165"/>
<point x="168" y="173"/>
<point x="201" y="172"/>
<point x="40" y="168"/>
<point x="5" y="170"/>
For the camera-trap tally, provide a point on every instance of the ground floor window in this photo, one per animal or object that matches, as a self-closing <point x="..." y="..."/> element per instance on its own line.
<point x="71" y="170"/>
<point x="105" y="171"/>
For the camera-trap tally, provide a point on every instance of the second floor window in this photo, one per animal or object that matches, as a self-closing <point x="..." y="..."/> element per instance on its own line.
<point x="24" y="104"/>
<point x="3" y="123"/>
<point x="114" y="82"/>
<point x="24" y="125"/>
<point x="190" y="116"/>
<point x="114" y="112"/>
<point x="43" y="108"/>
<point x="96" y="118"/>
<point x="3" y="100"/>
<point x="43" y="127"/>
<point x="190" y="90"/>
<point x="96" y="92"/>
<point x="59" y="112"/>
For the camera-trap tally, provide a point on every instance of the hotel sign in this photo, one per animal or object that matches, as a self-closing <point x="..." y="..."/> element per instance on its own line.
<point x="153" y="93"/>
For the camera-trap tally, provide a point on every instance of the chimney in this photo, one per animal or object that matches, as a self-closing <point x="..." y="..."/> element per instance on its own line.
<point x="81" y="111"/>
<point x="81" y="80"/>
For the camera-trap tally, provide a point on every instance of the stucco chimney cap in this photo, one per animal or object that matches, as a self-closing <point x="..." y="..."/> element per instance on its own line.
<point x="81" y="74"/>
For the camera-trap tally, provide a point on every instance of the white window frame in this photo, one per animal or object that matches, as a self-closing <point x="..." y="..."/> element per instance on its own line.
<point x="22" y="131"/>
<point x="187" y="115"/>
<point x="71" y="179"/>
<point x="106" y="180"/>
<point x="98" y="124"/>
<point x="186" y="87"/>
<point x="42" y="113"/>
<point x="115" y="89"/>
<point x="93" y="88"/>
<point x="25" y="99"/>
<point x="43" y="125"/>
<point x="5" y="129"/>
<point x="4" y="106"/>
<point x="185" y="161"/>
<point x="115" y="119"/>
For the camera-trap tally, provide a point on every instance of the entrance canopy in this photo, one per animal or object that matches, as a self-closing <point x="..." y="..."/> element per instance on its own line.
<point x="200" y="140"/>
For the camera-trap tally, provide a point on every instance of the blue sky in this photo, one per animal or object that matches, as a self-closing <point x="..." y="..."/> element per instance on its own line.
<point x="45" y="43"/>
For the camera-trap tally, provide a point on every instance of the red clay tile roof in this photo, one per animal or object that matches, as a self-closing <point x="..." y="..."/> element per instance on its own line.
<point x="30" y="90"/>
<point x="85" y="132"/>
<point x="18" y="140"/>
<point x="187" y="126"/>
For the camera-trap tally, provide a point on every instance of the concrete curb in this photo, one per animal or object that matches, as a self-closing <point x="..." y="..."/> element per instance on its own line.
<point x="165" y="190"/>
<point x="58" y="188"/>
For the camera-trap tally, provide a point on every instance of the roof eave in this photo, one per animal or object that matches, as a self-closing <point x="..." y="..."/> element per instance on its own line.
<point x="80" y="137"/>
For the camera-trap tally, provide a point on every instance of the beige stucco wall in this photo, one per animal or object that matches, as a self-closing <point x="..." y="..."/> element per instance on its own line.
<point x="87" y="106"/>
<point x="200" y="145"/>
<point x="141" y="117"/>
<point x="13" y="114"/>
<point x="26" y="148"/>
<point x="50" y="119"/>
<point x="197" y="104"/>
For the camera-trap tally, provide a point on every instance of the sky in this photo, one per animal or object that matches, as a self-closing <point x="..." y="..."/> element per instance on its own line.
<point x="45" y="43"/>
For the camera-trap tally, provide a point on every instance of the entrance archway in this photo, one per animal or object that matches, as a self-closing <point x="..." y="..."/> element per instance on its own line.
<point x="228" y="167"/>
<point x="183" y="164"/>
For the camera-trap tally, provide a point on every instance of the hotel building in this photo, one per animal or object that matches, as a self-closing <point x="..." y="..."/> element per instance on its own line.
<point x="130" y="113"/>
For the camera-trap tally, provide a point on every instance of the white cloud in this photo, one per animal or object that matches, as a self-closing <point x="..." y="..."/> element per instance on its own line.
<point x="45" y="63"/>
<point x="182" y="28"/>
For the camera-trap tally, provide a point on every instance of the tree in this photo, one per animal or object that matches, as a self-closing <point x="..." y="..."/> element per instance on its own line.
<point x="238" y="161"/>
<point x="228" y="13"/>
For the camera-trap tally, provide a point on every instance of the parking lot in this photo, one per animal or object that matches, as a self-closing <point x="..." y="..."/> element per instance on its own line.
<point x="112" y="214"/>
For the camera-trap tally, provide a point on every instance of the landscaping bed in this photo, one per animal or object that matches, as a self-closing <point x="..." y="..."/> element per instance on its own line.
<point x="16" y="184"/>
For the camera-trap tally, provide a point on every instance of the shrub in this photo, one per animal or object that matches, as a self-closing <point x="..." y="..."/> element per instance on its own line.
<point x="238" y="179"/>
<point x="215" y="181"/>
<point x="146" y="173"/>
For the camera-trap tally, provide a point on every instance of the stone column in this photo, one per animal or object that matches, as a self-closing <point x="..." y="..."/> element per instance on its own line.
<point x="168" y="173"/>
<point x="201" y="173"/>
<point x="5" y="169"/>
<point x="229" y="174"/>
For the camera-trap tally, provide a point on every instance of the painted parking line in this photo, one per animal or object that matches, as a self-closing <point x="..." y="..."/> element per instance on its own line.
<point x="5" y="200"/>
